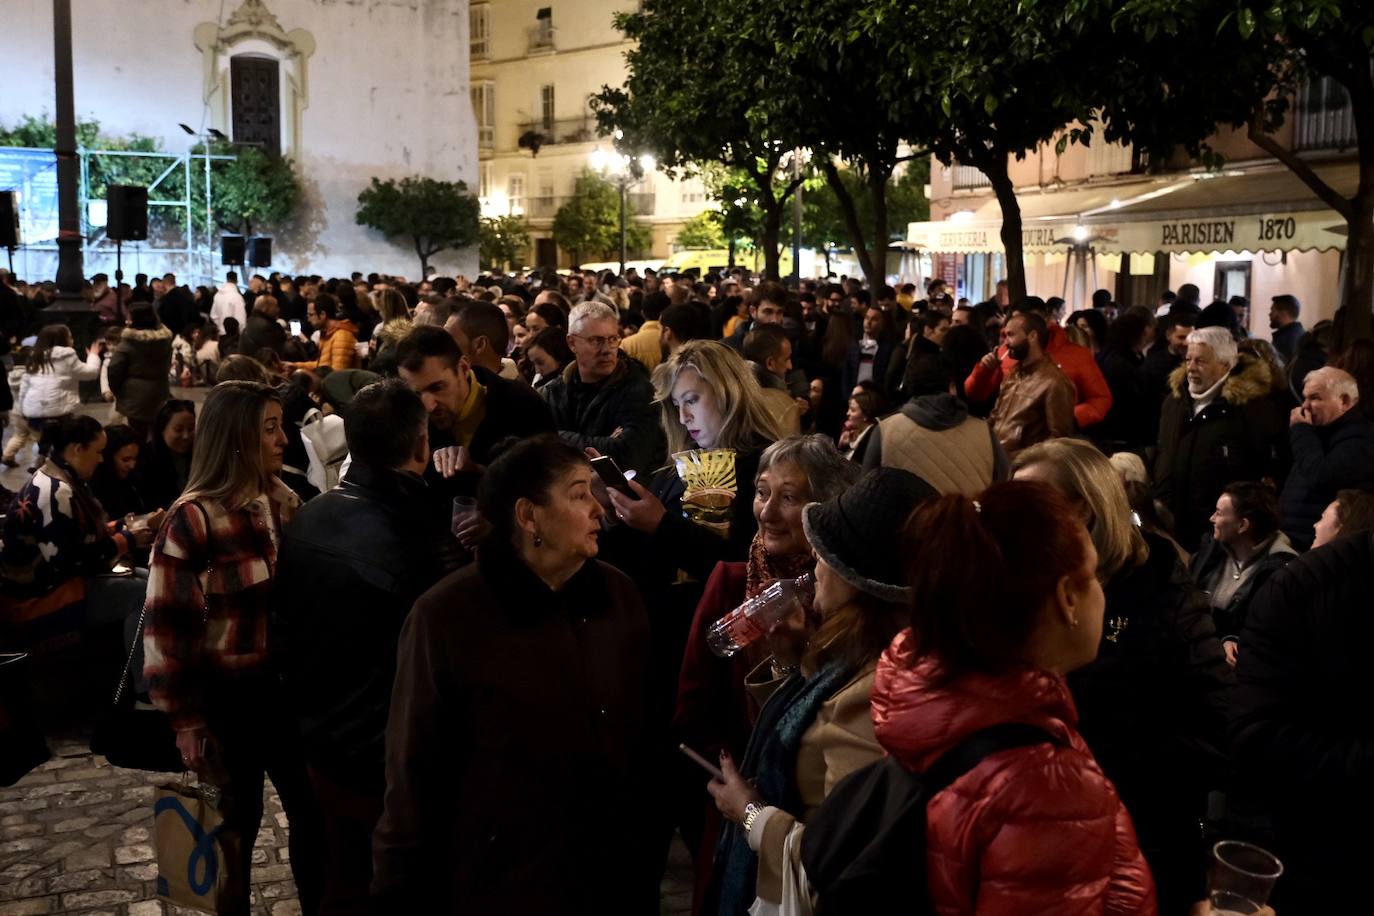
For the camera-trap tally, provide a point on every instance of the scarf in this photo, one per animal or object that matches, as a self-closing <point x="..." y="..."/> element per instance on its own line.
<point x="771" y="761"/>
<point x="763" y="568"/>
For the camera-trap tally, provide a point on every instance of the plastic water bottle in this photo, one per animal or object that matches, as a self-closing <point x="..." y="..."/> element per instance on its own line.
<point x="755" y="617"/>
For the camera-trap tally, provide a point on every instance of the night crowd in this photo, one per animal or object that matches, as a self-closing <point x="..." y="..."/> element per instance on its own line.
<point x="378" y="566"/>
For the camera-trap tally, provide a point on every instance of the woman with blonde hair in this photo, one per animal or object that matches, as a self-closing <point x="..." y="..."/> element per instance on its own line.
<point x="206" y="635"/>
<point x="1153" y="703"/>
<point x="396" y="324"/>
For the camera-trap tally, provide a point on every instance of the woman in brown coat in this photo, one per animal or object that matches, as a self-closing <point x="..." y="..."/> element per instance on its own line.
<point x="517" y="717"/>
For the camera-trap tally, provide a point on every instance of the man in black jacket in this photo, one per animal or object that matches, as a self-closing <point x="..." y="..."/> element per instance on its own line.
<point x="1300" y="729"/>
<point x="1333" y="449"/>
<point x="604" y="399"/>
<point x="471" y="411"/>
<point x="176" y="307"/>
<point x="352" y="564"/>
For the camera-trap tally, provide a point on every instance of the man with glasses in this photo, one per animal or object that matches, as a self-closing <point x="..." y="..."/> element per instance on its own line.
<point x="604" y="399"/>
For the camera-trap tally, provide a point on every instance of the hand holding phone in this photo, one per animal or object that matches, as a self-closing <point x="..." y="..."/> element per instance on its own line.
<point x="612" y="476"/>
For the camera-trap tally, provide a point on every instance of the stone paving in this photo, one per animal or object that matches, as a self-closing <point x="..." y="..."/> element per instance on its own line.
<point x="75" y="837"/>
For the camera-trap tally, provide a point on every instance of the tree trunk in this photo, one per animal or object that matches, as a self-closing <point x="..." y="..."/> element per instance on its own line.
<point x="827" y="261"/>
<point x="1357" y="289"/>
<point x="424" y="258"/>
<point x="851" y="219"/>
<point x="995" y="167"/>
<point x="772" y="237"/>
<point x="877" y="187"/>
<point x="730" y="252"/>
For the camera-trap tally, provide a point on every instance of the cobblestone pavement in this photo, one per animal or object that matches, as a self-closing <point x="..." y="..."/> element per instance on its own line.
<point x="75" y="837"/>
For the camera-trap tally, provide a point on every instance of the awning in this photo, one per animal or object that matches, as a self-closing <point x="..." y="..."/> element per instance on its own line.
<point x="1266" y="208"/>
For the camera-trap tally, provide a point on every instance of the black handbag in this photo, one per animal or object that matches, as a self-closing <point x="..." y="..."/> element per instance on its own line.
<point x="135" y="736"/>
<point x="22" y="745"/>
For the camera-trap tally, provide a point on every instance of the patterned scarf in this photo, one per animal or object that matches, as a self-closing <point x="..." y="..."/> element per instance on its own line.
<point x="763" y="568"/>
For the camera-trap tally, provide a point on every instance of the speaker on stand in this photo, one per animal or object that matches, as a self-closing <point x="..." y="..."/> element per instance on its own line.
<point x="260" y="251"/>
<point x="126" y="220"/>
<point x="231" y="250"/>
<point x="9" y="224"/>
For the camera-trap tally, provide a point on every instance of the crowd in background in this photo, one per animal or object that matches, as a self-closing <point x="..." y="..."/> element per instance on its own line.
<point x="380" y="568"/>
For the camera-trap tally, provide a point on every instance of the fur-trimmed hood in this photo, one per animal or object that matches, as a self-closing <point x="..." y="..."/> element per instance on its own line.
<point x="161" y="332"/>
<point x="1250" y="380"/>
<point x="393" y="331"/>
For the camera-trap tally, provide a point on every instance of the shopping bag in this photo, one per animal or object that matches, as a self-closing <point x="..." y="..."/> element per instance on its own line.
<point x="196" y="853"/>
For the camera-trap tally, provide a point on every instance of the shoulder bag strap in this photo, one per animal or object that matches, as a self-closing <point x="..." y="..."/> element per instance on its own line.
<point x="970" y="752"/>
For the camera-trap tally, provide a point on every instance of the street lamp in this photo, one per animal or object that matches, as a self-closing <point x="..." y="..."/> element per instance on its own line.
<point x="624" y="171"/>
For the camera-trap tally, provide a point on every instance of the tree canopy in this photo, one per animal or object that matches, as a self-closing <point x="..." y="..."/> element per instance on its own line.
<point x="588" y="224"/>
<point x="433" y="215"/>
<point x="502" y="241"/>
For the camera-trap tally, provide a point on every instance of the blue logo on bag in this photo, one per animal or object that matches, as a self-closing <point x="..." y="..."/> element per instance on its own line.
<point x="204" y="850"/>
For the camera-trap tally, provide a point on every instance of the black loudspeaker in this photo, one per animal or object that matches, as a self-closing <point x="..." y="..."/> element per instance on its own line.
<point x="9" y="219"/>
<point x="231" y="249"/>
<point x="260" y="251"/>
<point x="126" y="213"/>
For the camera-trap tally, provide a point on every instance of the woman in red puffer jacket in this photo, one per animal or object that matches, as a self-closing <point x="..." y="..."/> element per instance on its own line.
<point x="1012" y="606"/>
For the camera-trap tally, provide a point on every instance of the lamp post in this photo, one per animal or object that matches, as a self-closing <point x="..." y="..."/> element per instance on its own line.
<point x="624" y="171"/>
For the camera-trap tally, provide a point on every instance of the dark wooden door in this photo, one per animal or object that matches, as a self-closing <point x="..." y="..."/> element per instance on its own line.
<point x="256" y="100"/>
<point x="545" y="253"/>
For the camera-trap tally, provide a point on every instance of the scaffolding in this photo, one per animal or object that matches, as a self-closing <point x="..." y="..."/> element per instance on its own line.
<point x="173" y="240"/>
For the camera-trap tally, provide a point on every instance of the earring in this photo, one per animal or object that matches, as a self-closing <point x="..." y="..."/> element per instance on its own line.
<point x="538" y="541"/>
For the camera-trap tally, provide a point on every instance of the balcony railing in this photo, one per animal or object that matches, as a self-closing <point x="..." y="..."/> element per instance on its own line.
<point x="1325" y="119"/>
<point x="967" y="177"/>
<point x="486" y="137"/>
<point x="541" y="38"/>
<point x="566" y="130"/>
<point x="546" y="207"/>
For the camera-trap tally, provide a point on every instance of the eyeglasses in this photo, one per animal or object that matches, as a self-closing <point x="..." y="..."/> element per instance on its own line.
<point x="601" y="343"/>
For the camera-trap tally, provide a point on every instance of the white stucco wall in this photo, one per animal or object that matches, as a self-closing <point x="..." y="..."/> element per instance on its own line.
<point x="388" y="96"/>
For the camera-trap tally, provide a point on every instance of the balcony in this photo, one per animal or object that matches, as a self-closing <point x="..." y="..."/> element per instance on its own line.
<point x="1324" y="119"/>
<point x="555" y="133"/>
<point x="546" y="207"/>
<point x="486" y="138"/>
<point x="968" y="177"/>
<point x="541" y="39"/>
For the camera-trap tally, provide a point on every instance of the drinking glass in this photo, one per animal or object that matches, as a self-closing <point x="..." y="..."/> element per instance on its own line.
<point x="1241" y="878"/>
<point x="464" y="507"/>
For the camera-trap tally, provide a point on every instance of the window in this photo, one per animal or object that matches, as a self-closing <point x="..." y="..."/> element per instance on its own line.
<point x="483" y="96"/>
<point x="546" y="107"/>
<point x="541" y="36"/>
<point x="484" y="180"/>
<point x="1232" y="279"/>
<point x="479" y="31"/>
<point x="515" y="193"/>
<point x="255" y="100"/>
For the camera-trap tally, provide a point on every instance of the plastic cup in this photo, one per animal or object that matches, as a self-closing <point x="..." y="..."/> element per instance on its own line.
<point x="1241" y="878"/>
<point x="464" y="507"/>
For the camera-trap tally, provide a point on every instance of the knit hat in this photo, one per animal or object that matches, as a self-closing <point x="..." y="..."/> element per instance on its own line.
<point x="858" y="534"/>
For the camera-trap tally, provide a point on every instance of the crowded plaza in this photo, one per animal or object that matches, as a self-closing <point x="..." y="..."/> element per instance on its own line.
<point x="694" y="460"/>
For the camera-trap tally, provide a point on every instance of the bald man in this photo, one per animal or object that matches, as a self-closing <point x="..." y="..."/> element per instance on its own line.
<point x="1333" y="449"/>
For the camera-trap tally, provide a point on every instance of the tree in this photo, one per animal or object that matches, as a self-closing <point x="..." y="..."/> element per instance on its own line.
<point x="703" y="231"/>
<point x="251" y="191"/>
<point x="1196" y="64"/>
<point x="824" y="224"/>
<point x="589" y="223"/>
<point x="691" y="109"/>
<point x="434" y="215"/>
<point x="502" y="240"/>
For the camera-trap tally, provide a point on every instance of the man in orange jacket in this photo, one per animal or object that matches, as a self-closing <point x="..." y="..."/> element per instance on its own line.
<point x="338" y="336"/>
<point x="1092" y="396"/>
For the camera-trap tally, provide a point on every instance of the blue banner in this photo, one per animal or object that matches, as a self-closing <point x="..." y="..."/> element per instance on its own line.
<point x="33" y="173"/>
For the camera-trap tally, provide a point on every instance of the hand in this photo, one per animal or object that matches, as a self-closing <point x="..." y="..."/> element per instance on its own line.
<point x="107" y="395"/>
<point x="1232" y="649"/>
<point x="788" y="638"/>
<point x="734" y="794"/>
<point x="803" y="406"/>
<point x="456" y="459"/>
<point x="989" y="360"/>
<point x="473" y="531"/>
<point x="192" y="743"/>
<point x="643" y="514"/>
<point x="1298" y="415"/>
<point x="617" y="432"/>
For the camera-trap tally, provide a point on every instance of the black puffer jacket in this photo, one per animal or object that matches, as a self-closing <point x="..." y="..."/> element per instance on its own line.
<point x="353" y="561"/>
<point x="1153" y="709"/>
<point x="1239" y="436"/>
<point x="587" y="415"/>
<point x="1325" y="459"/>
<point x="1300" y="727"/>
<point x="138" y="372"/>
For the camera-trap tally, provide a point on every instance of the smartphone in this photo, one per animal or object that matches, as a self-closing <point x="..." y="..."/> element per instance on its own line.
<point x="612" y="476"/>
<point x="702" y="762"/>
<point x="295" y="328"/>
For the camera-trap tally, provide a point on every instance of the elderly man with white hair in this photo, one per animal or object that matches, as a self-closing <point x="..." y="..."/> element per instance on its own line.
<point x="1333" y="450"/>
<point x="1217" y="426"/>
<point x="604" y="399"/>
